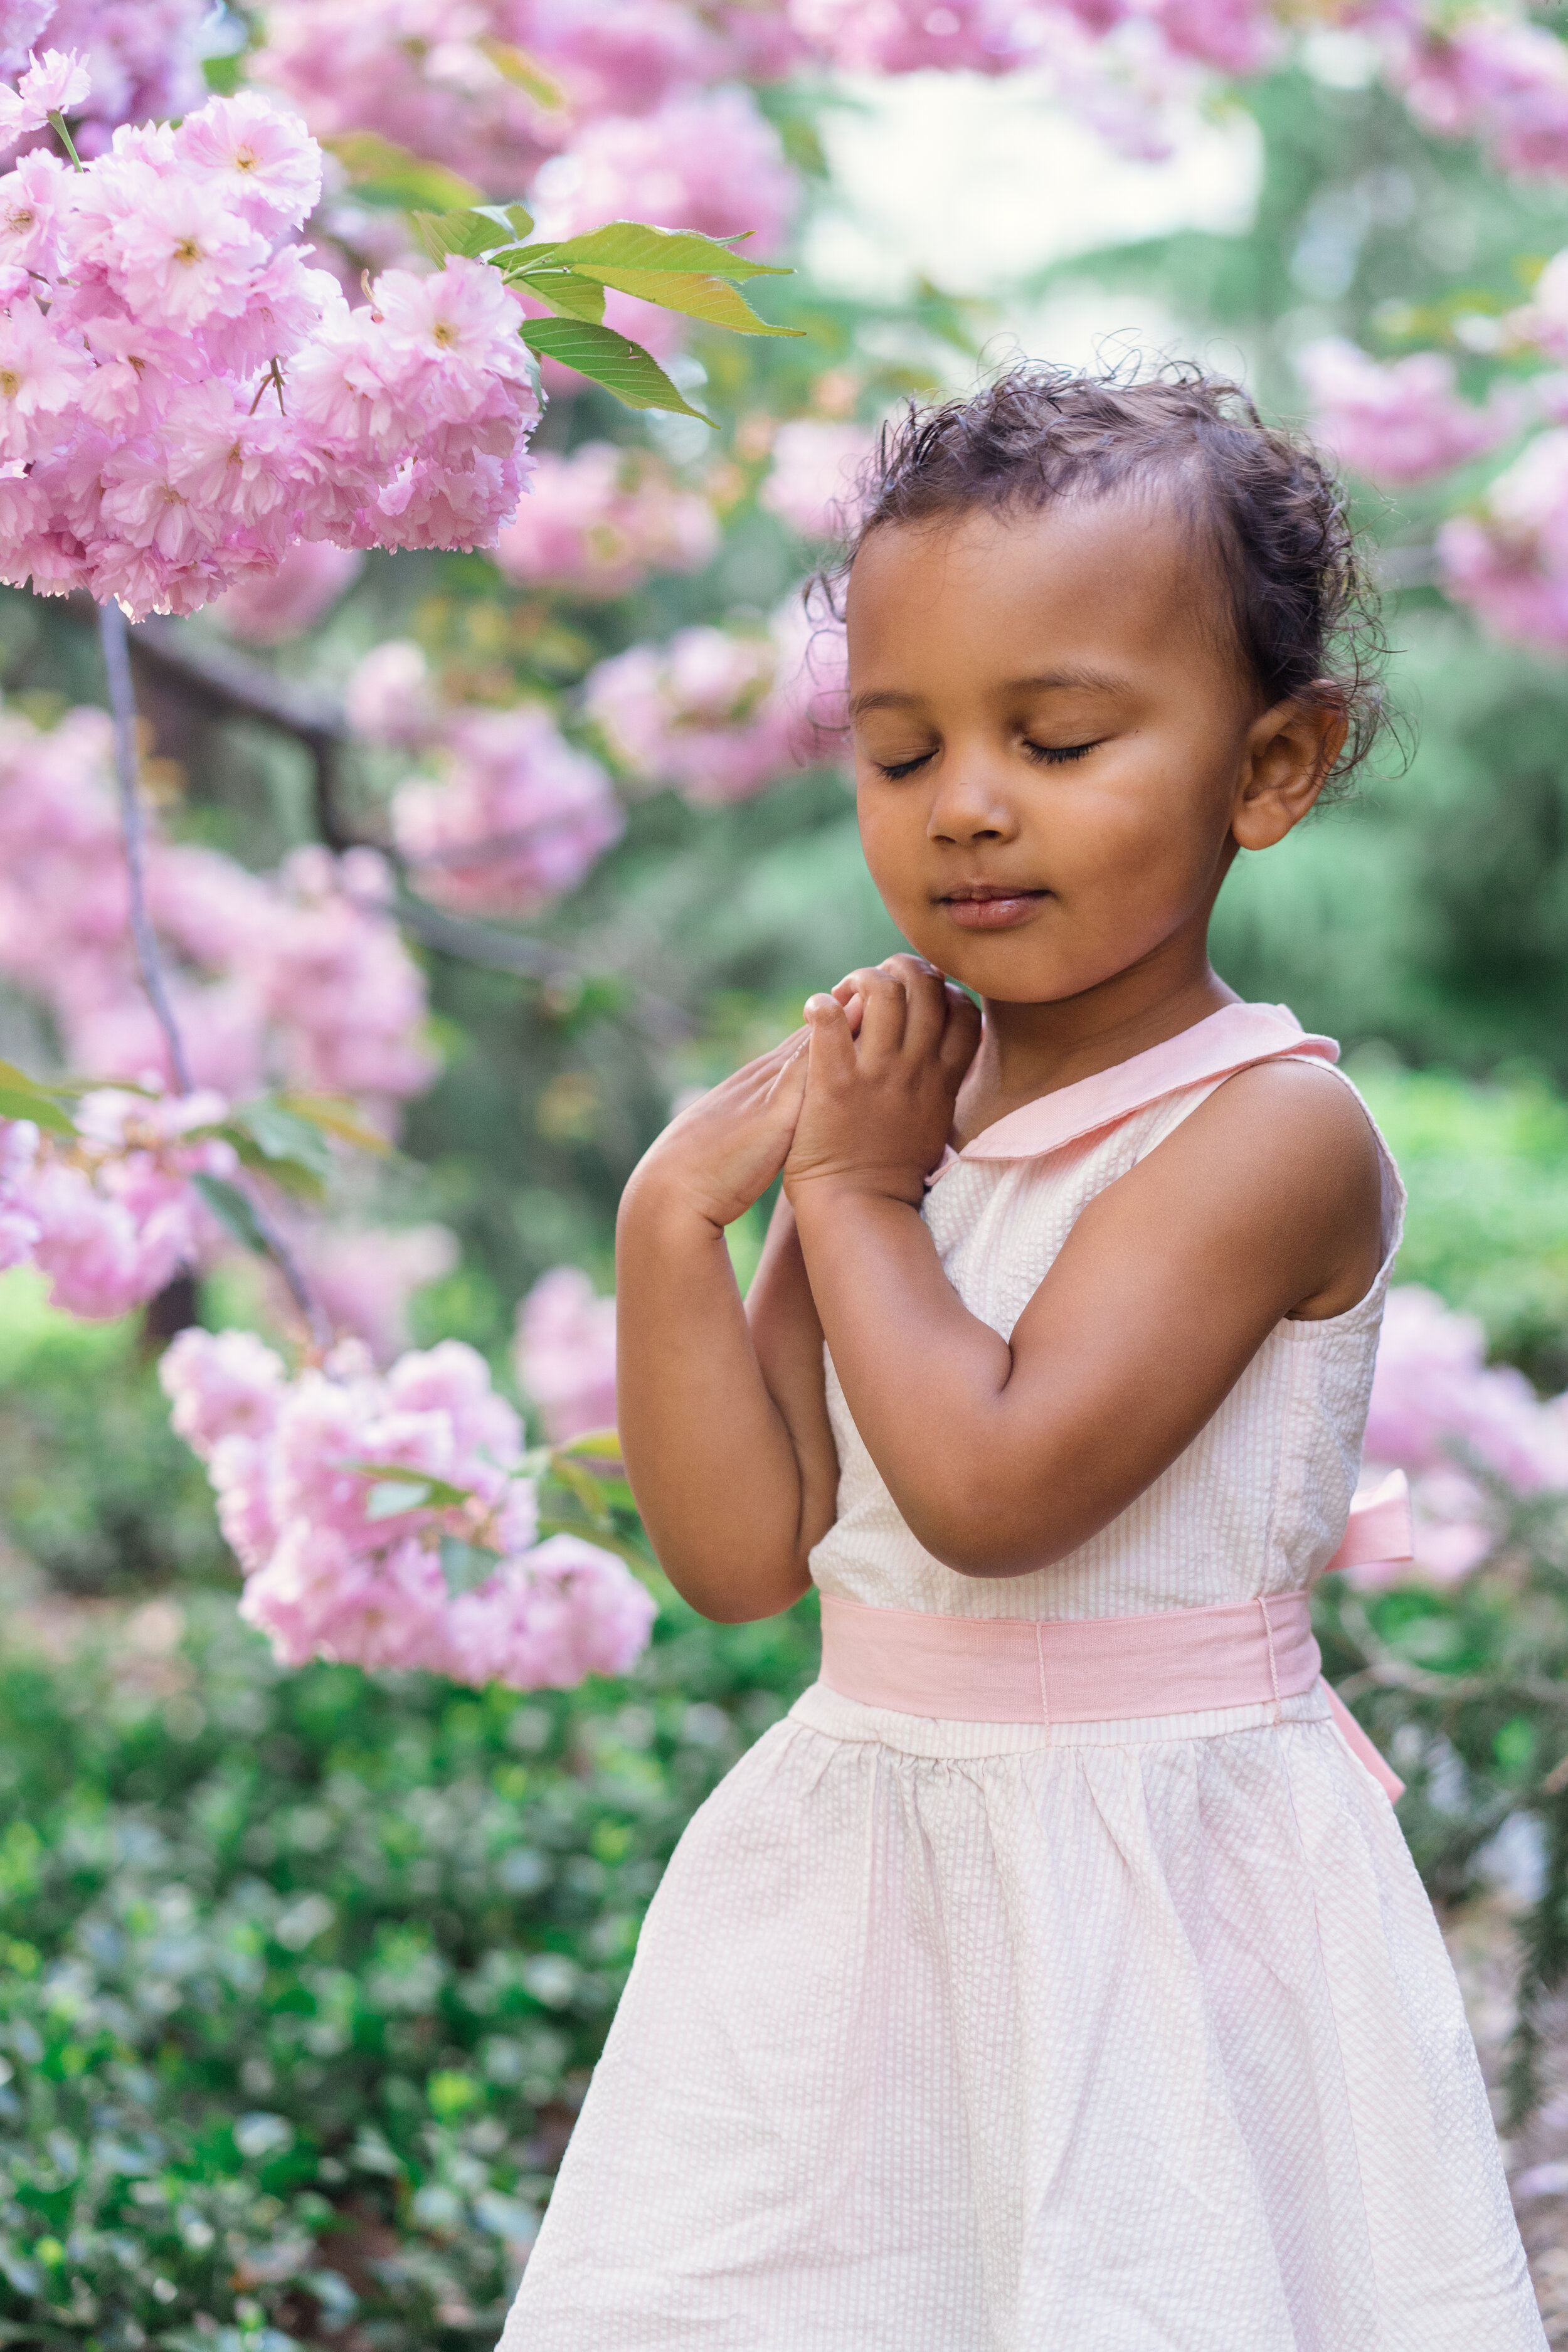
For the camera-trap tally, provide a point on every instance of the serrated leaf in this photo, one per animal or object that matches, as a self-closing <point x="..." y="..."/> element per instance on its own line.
<point x="341" y="1116"/>
<point x="638" y="245"/>
<point x="634" y="375"/>
<point x="688" y="290"/>
<point x="233" y="1212"/>
<point x="524" y="73"/>
<point x="569" y="296"/>
<point x="27" y="1102"/>
<point x="473" y="233"/>
<point x="384" y="173"/>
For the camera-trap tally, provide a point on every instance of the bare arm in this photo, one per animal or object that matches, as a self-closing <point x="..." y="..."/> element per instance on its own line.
<point x="722" y="1419"/>
<point x="1003" y="1455"/>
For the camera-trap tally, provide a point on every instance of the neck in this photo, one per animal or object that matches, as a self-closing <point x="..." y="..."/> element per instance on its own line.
<point x="1030" y="1050"/>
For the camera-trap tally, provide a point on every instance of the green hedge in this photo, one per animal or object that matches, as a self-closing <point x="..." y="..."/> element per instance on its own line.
<point x="304" y="1974"/>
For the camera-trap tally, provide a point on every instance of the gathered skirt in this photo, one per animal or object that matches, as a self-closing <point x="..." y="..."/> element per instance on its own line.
<point x="963" y="2038"/>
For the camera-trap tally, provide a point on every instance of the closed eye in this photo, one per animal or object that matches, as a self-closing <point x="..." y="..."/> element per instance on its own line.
<point x="902" y="767"/>
<point x="1052" y="755"/>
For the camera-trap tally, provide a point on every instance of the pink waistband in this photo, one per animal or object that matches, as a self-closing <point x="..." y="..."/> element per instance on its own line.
<point x="1081" y="1670"/>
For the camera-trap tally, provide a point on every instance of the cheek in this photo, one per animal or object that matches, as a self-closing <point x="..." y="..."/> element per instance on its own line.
<point x="892" y="834"/>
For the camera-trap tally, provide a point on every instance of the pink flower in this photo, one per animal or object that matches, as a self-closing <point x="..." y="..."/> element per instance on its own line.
<point x="270" y="607"/>
<point x="1492" y="76"/>
<point x="1437" y="1402"/>
<point x="185" y="258"/>
<point x="1511" y="562"/>
<point x="389" y="695"/>
<point x="564" y="1611"/>
<point x="520" y="818"/>
<point x="813" y="481"/>
<point x="222" y="1384"/>
<point x="40" y="375"/>
<point x="23" y="23"/>
<point x="55" y="84"/>
<point x="20" y="1226"/>
<point x="716" y="713"/>
<point x="708" y="160"/>
<point x="597" y="522"/>
<point x="259" y="161"/>
<point x="565" y="1352"/>
<point x="34" y="204"/>
<point x="907" y="37"/>
<point x="1402" y="423"/>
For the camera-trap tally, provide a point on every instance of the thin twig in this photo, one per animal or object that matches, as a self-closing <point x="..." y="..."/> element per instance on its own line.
<point x="123" y="706"/>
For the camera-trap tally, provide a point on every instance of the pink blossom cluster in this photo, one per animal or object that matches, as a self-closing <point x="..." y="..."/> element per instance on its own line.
<point x="323" y="1495"/>
<point x="1399" y="423"/>
<point x="515" y="817"/>
<point x="598" y="523"/>
<point x="815" y="465"/>
<point x="1488" y="75"/>
<point x="181" y="397"/>
<point x="299" y="978"/>
<point x="1509" y="561"/>
<point x="1441" y="1413"/>
<point x="113" y="1216"/>
<point x="519" y="817"/>
<point x="270" y="607"/>
<point x="719" y="714"/>
<point x="565" y="1352"/>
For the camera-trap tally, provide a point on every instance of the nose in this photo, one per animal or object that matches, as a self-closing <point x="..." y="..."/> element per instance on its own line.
<point x="970" y="802"/>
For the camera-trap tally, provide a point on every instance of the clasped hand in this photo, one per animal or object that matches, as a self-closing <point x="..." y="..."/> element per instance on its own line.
<point x="860" y="1099"/>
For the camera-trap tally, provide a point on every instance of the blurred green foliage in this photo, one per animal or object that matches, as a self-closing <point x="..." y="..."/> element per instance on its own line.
<point x="301" y="1975"/>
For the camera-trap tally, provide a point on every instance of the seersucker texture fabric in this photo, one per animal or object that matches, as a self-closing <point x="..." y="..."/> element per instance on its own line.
<point x="1100" y="2037"/>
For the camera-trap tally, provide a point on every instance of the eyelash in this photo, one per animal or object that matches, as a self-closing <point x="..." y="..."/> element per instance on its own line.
<point x="1049" y="755"/>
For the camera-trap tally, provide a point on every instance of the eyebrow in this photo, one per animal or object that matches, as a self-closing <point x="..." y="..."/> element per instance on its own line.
<point x="1098" y="681"/>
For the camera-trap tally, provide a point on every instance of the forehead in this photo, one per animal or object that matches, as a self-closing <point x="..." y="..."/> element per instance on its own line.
<point x="1129" y="574"/>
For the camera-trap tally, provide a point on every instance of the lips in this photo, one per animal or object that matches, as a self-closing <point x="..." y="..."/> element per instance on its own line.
<point x="992" y="905"/>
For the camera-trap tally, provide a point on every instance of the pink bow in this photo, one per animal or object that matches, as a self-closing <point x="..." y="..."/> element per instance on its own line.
<point x="1379" y="1535"/>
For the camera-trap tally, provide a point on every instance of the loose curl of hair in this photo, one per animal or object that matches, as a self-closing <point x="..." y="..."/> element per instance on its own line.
<point x="1301" y="606"/>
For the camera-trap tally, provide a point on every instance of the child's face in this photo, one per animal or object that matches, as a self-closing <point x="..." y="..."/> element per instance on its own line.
<point x="1054" y="753"/>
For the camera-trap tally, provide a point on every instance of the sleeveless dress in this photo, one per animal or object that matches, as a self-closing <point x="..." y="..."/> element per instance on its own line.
<point x="1099" y="2037"/>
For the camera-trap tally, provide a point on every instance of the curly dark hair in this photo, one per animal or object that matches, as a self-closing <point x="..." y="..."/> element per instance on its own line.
<point x="1302" y="607"/>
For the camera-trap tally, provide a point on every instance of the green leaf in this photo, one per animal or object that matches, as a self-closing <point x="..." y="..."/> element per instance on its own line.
<point x="568" y="295"/>
<point x="594" y="1444"/>
<point x="341" y="1116"/>
<point x="688" y="290"/>
<point x="233" y="1212"/>
<point x="279" y="1132"/>
<point x="435" y="1493"/>
<point x="390" y="1498"/>
<point x="385" y="173"/>
<point x="636" y="245"/>
<point x="634" y="375"/>
<point x="522" y="71"/>
<point x="474" y="232"/>
<point x="27" y="1102"/>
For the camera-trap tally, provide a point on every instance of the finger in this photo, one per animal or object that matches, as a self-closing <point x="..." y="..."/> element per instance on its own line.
<point x="787" y="1091"/>
<point x="961" y="1035"/>
<point x="925" y="1015"/>
<point x="831" y="1043"/>
<point x="882" y="1022"/>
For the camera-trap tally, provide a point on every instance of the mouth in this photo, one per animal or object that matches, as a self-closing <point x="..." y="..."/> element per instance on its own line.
<point x="992" y="905"/>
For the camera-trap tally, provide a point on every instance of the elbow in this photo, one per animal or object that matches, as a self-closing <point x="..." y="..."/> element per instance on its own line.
<point x="987" y="1537"/>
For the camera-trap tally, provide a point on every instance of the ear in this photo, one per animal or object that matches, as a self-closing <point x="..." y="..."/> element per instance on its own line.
<point x="1290" y="751"/>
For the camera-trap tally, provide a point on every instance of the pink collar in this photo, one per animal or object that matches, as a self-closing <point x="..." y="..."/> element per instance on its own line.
<point x="1228" y="1040"/>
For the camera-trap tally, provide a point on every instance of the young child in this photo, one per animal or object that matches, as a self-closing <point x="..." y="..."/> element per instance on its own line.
<point x="1056" y="1978"/>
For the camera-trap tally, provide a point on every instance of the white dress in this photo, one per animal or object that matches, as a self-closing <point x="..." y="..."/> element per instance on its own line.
<point x="1125" y="2037"/>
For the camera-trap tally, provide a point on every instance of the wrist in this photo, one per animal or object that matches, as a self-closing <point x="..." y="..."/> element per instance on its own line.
<point x="657" y="1204"/>
<point x="836" y="1191"/>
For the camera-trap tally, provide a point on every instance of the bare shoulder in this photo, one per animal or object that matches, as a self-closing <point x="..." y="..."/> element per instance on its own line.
<point x="1297" y="1111"/>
